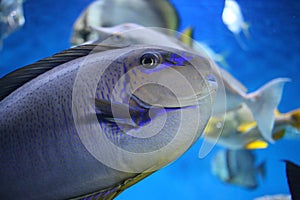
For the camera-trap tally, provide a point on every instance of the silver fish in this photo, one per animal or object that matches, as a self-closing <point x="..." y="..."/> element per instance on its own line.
<point x="237" y="167"/>
<point x="11" y="17"/>
<point x="107" y="13"/>
<point x="93" y="120"/>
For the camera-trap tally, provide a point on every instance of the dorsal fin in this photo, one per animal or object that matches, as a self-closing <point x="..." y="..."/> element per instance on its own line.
<point x="19" y="77"/>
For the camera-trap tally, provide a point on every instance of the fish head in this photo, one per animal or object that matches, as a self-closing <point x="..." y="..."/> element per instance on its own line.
<point x="170" y="93"/>
<point x="171" y="78"/>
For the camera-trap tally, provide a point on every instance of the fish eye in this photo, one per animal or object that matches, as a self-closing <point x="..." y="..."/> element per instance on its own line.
<point x="117" y="37"/>
<point x="150" y="60"/>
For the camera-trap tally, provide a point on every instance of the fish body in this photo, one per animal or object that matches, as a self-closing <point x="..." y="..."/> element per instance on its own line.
<point x="232" y="93"/>
<point x="237" y="167"/>
<point x="107" y="13"/>
<point x="64" y="130"/>
<point x="233" y="18"/>
<point x="11" y="17"/>
<point x="240" y="130"/>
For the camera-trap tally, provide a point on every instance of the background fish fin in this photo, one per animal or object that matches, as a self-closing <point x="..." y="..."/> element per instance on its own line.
<point x="168" y="14"/>
<point x="245" y="27"/>
<point x="295" y="118"/>
<point x="19" y="77"/>
<point x="277" y="112"/>
<point x="261" y="168"/>
<point x="257" y="144"/>
<point x="278" y="135"/>
<point x="245" y="127"/>
<point x="293" y="176"/>
<point x="221" y="58"/>
<point x="240" y="42"/>
<point x="186" y="36"/>
<point x="262" y="104"/>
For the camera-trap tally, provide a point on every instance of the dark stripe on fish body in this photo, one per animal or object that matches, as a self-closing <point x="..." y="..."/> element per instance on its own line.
<point x="19" y="77"/>
<point x="228" y="164"/>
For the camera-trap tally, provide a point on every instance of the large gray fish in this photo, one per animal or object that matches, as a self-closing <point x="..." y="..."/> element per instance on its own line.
<point x="11" y="17"/>
<point x="262" y="102"/>
<point x="107" y="13"/>
<point x="93" y="120"/>
<point x="237" y="167"/>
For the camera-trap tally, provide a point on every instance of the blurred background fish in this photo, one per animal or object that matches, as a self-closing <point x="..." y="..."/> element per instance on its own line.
<point x="11" y="17"/>
<point x="240" y="129"/>
<point x="237" y="167"/>
<point x="233" y="18"/>
<point x="107" y="13"/>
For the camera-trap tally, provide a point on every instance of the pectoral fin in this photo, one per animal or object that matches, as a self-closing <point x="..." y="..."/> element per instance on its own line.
<point x="257" y="144"/>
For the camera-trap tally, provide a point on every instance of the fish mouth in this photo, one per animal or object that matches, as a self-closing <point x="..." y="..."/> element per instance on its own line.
<point x="187" y="102"/>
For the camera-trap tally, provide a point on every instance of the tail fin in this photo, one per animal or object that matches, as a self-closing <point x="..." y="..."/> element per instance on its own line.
<point x="263" y="102"/>
<point x="245" y="28"/>
<point x="295" y="118"/>
<point x="262" y="169"/>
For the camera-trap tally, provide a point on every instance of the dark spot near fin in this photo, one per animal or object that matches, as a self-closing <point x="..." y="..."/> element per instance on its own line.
<point x="293" y="176"/>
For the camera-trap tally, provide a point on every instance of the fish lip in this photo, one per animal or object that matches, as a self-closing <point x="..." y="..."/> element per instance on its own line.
<point x="199" y="99"/>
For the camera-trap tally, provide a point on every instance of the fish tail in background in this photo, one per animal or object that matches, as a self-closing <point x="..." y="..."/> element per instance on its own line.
<point x="245" y="28"/>
<point x="262" y="169"/>
<point x="293" y="176"/>
<point x="240" y="42"/>
<point x="263" y="102"/>
<point x="294" y="117"/>
<point x="222" y="59"/>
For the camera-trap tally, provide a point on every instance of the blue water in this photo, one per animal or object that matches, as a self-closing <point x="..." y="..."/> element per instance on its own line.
<point x="272" y="51"/>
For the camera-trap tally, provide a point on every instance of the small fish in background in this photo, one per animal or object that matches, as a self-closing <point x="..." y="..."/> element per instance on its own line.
<point x="108" y="13"/>
<point x="262" y="102"/>
<point x="293" y="177"/>
<point x="233" y="18"/>
<point x="240" y="130"/>
<point x="11" y="17"/>
<point x="237" y="167"/>
<point x="77" y="124"/>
